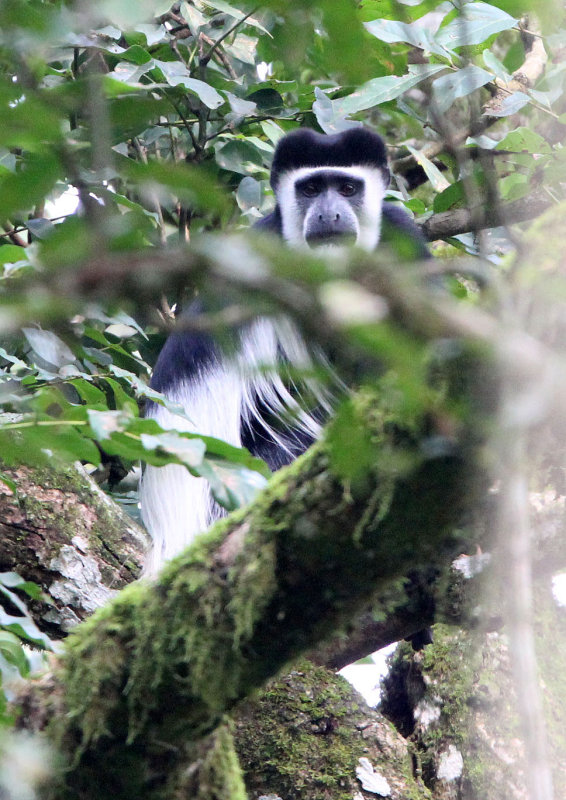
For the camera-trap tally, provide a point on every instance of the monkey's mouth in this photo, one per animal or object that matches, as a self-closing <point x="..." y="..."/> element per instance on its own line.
<point x="334" y="239"/>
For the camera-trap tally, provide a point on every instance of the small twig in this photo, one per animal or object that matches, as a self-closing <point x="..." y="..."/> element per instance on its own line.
<point x="154" y="199"/>
<point x="206" y="58"/>
<point x="221" y="56"/>
<point x="14" y="237"/>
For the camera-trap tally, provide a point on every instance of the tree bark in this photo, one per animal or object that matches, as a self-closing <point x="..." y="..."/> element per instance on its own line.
<point x="456" y="701"/>
<point x="58" y="529"/>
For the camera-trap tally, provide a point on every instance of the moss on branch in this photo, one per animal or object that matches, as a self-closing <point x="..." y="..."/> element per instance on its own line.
<point x="161" y="663"/>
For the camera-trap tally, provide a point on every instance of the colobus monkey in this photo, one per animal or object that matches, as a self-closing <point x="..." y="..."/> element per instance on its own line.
<point x="329" y="190"/>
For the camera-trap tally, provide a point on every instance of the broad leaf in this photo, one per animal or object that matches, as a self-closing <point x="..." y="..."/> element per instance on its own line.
<point x="510" y="105"/>
<point x="478" y="21"/>
<point x="416" y="35"/>
<point x="381" y="90"/>
<point x="434" y="175"/>
<point x="448" y="88"/>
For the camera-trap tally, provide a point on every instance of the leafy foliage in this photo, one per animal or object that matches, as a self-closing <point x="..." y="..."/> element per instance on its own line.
<point x="16" y="629"/>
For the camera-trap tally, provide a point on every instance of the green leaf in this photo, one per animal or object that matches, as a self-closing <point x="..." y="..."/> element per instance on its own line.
<point x="345" y="35"/>
<point x="191" y="184"/>
<point x="153" y="33"/>
<point x="40" y="227"/>
<point x="48" y="346"/>
<point x="12" y="580"/>
<point x="391" y="31"/>
<point x="105" y="423"/>
<point x="22" y="190"/>
<point x="239" y="156"/>
<point x="451" y="196"/>
<point x="12" y="650"/>
<point x="243" y="48"/>
<point x="477" y="22"/>
<point x="24" y="628"/>
<point x="351" y="451"/>
<point x="19" y="120"/>
<point x="328" y="116"/>
<point x="136" y="54"/>
<point x="382" y="90"/>
<point x="495" y="66"/>
<point x="510" y="105"/>
<point x="177" y="74"/>
<point x="232" y="485"/>
<point x="13" y="598"/>
<point x="434" y="175"/>
<point x="121" y="398"/>
<point x="226" y="8"/>
<point x="89" y="393"/>
<point x="415" y="205"/>
<point x="63" y="443"/>
<point x="514" y="186"/>
<point x="130" y="114"/>
<point x="11" y="254"/>
<point x="194" y="17"/>
<point x="524" y="140"/>
<point x="188" y="451"/>
<point x="448" y="88"/>
<point x="240" y="106"/>
<point x="248" y="194"/>
<point x="10" y="484"/>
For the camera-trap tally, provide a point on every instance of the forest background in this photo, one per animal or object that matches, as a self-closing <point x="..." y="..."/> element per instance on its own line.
<point x="135" y="145"/>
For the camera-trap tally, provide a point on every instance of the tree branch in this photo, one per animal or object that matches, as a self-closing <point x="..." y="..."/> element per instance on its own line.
<point x="452" y="223"/>
<point x="263" y="586"/>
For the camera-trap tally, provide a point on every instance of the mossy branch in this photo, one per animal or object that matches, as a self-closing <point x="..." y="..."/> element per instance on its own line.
<point x="162" y="662"/>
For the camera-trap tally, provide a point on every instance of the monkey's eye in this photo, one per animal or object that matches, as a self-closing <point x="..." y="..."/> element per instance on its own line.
<point x="309" y="189"/>
<point x="347" y="189"/>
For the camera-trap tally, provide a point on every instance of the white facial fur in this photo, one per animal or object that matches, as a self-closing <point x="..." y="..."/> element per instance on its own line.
<point x="369" y="220"/>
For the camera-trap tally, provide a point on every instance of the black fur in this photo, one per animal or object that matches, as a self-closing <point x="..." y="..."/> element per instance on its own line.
<point x="306" y="148"/>
<point x="185" y="355"/>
